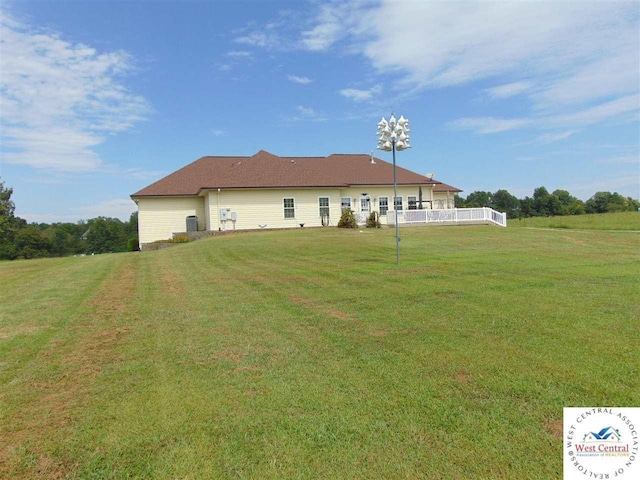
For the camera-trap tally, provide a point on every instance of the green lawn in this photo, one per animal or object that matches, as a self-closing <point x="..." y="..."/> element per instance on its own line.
<point x="598" y="221"/>
<point x="310" y="354"/>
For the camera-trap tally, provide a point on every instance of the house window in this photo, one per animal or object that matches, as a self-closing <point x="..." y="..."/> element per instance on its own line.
<point x="323" y="204"/>
<point x="383" y="203"/>
<point x="398" y="203"/>
<point x="345" y="203"/>
<point x="412" y="201"/>
<point x="289" y="208"/>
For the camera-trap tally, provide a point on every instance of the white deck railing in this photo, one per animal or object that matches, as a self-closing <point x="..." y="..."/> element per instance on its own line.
<point x="449" y="216"/>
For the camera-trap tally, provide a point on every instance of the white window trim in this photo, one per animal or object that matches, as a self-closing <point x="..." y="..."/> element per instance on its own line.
<point x="409" y="197"/>
<point x="284" y="209"/>
<point x="379" y="206"/>
<point x="401" y="202"/>
<point x="346" y="198"/>
<point x="328" y="205"/>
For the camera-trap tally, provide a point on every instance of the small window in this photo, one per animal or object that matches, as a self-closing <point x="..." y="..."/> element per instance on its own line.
<point x="383" y="203"/>
<point x="345" y="203"/>
<point x="412" y="201"/>
<point x="289" y="208"/>
<point x="323" y="204"/>
<point x="398" y="203"/>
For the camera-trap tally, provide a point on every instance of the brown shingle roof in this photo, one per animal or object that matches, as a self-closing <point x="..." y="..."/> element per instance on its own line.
<point x="265" y="170"/>
<point x="443" y="187"/>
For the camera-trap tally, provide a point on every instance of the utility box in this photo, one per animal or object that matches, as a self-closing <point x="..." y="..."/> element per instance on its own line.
<point x="234" y="216"/>
<point x="192" y="223"/>
<point x="224" y="214"/>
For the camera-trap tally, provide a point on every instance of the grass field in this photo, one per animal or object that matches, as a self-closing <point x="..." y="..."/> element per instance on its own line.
<point x="310" y="354"/>
<point x="598" y="221"/>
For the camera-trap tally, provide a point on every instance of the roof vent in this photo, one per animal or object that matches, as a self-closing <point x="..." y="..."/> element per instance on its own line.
<point x="293" y="161"/>
<point x="373" y="162"/>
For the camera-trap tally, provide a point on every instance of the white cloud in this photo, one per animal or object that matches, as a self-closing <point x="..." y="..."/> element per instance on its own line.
<point x="258" y="39"/>
<point x="599" y="79"/>
<point x="486" y="125"/>
<point x="329" y="28"/>
<point x="359" y="95"/>
<point x="60" y="99"/>
<point x="509" y="89"/>
<point x="217" y="132"/>
<point x="559" y="54"/>
<point x="622" y="109"/>
<point x="448" y="43"/>
<point x="306" y="111"/>
<point x="625" y="183"/>
<point x="239" y="53"/>
<point x="547" y="138"/>
<point x="631" y="159"/>
<point x="121" y="208"/>
<point x="304" y="114"/>
<point x="602" y="112"/>
<point x="300" y="80"/>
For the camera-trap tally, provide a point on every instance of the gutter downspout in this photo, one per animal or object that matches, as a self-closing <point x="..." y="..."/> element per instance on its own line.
<point x="218" y="210"/>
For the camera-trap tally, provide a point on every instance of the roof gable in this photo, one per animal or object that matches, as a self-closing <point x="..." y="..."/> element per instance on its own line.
<point x="265" y="170"/>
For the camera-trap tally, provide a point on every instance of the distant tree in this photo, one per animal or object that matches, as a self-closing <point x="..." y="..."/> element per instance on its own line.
<point x="479" y="199"/>
<point x="133" y="243"/>
<point x="132" y="227"/>
<point x="541" y="202"/>
<point x="526" y="207"/>
<point x="576" y="208"/>
<point x="598" y="203"/>
<point x="9" y="224"/>
<point x="106" y="235"/>
<point x="30" y="242"/>
<point x="617" y="203"/>
<point x="7" y="208"/>
<point x="459" y="201"/>
<point x="503" y="201"/>
<point x="66" y="239"/>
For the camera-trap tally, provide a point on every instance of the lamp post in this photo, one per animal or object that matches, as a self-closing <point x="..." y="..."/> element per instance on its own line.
<point x="394" y="135"/>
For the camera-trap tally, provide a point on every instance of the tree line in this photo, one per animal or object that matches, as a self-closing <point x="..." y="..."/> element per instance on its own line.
<point x="545" y="204"/>
<point x="19" y="239"/>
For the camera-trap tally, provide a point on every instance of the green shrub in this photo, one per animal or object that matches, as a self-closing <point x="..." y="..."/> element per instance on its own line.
<point x="133" y="245"/>
<point x="374" y="221"/>
<point x="176" y="239"/>
<point x="347" y="219"/>
<point x="180" y="239"/>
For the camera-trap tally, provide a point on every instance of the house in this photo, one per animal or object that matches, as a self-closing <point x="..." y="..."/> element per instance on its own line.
<point x="267" y="191"/>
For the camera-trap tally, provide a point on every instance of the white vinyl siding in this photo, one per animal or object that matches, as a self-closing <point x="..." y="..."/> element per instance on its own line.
<point x="160" y="217"/>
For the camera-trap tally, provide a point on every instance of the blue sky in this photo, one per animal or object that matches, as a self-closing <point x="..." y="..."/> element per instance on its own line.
<point x="100" y="99"/>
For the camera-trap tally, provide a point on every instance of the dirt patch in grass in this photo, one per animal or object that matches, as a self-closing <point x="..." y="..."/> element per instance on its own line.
<point x="15" y="330"/>
<point x="463" y="377"/>
<point x="50" y="406"/>
<point x="554" y="428"/>
<point x="378" y="333"/>
<point x="576" y="241"/>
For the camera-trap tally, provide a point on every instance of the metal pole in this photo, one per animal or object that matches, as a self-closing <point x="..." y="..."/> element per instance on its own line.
<point x="395" y="206"/>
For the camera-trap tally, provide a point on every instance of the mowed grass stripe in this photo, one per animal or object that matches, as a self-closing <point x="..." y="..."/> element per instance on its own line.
<point x="310" y="354"/>
<point x="51" y="370"/>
